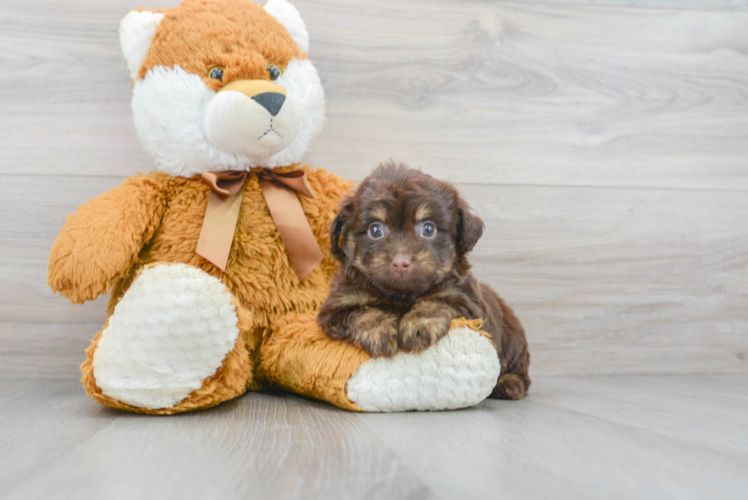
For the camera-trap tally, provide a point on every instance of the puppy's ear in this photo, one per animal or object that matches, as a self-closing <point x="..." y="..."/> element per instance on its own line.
<point x="469" y="228"/>
<point x="338" y="229"/>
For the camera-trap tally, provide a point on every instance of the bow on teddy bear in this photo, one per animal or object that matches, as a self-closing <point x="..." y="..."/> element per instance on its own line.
<point x="218" y="86"/>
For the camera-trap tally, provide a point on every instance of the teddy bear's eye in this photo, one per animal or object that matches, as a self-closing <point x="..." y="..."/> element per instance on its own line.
<point x="216" y="73"/>
<point x="274" y="72"/>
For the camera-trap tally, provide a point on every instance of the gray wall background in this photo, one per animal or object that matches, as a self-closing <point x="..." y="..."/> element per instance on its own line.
<point x="604" y="143"/>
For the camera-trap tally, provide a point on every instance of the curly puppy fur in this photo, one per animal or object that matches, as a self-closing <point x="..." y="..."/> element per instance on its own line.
<point x="402" y="240"/>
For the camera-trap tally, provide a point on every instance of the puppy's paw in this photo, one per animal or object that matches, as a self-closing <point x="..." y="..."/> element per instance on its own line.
<point x="511" y="386"/>
<point x="419" y="330"/>
<point x="375" y="332"/>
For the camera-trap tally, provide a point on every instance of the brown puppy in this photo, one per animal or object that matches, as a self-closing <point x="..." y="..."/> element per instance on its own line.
<point x="402" y="240"/>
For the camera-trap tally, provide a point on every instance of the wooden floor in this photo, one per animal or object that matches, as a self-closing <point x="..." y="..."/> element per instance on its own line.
<point x="657" y="437"/>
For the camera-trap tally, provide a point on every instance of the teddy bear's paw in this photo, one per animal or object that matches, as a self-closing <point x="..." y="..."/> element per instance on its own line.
<point x="459" y="371"/>
<point x="171" y="330"/>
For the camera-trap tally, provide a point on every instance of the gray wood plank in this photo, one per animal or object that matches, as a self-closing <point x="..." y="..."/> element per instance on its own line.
<point x="515" y="93"/>
<point x="34" y="209"/>
<point x="538" y="93"/>
<point x="46" y="350"/>
<point x="259" y="446"/>
<point x="710" y="411"/>
<point x="620" y="281"/>
<point x="607" y="437"/>
<point x="537" y="448"/>
<point x="25" y="296"/>
<point x="41" y="421"/>
<point x="728" y="5"/>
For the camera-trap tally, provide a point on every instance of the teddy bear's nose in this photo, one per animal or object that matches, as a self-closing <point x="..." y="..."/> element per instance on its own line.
<point x="267" y="94"/>
<point x="272" y="101"/>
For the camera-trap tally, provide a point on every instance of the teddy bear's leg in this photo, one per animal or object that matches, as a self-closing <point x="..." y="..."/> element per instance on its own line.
<point x="300" y="357"/>
<point x="459" y="371"/>
<point x="176" y="341"/>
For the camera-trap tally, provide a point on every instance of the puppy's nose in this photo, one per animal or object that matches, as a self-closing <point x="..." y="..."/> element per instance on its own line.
<point x="272" y="101"/>
<point x="401" y="263"/>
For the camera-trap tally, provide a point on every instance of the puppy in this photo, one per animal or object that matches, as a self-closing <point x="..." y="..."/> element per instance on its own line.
<point x="402" y="240"/>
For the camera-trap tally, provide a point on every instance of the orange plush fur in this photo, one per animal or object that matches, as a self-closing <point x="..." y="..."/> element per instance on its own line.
<point x="165" y="214"/>
<point x="198" y="43"/>
<point x="157" y="218"/>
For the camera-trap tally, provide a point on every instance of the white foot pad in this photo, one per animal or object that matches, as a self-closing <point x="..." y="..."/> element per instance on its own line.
<point x="169" y="332"/>
<point x="459" y="371"/>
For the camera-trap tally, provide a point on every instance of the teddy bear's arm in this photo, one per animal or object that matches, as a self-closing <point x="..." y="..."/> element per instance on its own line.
<point x="102" y="238"/>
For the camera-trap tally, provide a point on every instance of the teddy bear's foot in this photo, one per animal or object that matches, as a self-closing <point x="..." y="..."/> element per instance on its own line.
<point x="170" y="345"/>
<point x="459" y="371"/>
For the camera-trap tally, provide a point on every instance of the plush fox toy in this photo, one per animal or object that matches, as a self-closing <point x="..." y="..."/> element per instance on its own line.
<point x="217" y="262"/>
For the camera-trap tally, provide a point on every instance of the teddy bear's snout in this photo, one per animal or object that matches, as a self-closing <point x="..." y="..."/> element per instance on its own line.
<point x="254" y="118"/>
<point x="268" y="95"/>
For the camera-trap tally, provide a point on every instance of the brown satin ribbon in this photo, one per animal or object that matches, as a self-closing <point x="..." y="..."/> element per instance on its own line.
<point x="279" y="190"/>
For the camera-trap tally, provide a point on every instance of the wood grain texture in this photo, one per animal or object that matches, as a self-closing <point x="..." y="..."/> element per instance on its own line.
<point x="521" y="93"/>
<point x="605" y="146"/>
<point x="547" y="446"/>
<point x="608" y="437"/>
<point x="727" y="5"/>
<point x="540" y="94"/>
<point x="263" y="447"/>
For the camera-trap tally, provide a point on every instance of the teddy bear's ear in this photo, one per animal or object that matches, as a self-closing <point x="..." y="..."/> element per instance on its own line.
<point x="135" y="35"/>
<point x="289" y="17"/>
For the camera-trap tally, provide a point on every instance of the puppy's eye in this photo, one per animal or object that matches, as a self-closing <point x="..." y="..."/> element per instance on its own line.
<point x="377" y="231"/>
<point x="216" y="73"/>
<point x="273" y="72"/>
<point x="426" y="230"/>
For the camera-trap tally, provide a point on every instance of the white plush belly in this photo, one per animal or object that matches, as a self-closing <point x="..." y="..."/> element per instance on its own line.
<point x="459" y="371"/>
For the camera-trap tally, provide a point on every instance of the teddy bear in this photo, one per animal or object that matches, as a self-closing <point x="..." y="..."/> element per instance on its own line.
<point x="217" y="262"/>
